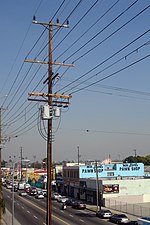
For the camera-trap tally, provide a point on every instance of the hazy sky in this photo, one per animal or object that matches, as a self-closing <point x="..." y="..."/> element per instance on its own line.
<point x="109" y="43"/>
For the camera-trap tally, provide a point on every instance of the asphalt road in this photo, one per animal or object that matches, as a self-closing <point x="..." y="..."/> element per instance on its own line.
<point x="29" y="210"/>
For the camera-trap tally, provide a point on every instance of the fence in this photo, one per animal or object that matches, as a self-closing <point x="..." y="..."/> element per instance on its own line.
<point x="138" y="209"/>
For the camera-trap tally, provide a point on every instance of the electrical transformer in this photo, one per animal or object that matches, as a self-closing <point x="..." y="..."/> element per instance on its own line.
<point x="45" y="112"/>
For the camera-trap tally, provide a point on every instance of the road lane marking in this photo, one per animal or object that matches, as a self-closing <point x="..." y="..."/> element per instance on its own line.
<point x="45" y="211"/>
<point x="62" y="211"/>
<point x="28" y="211"/>
<point x="35" y="217"/>
<point x="70" y="215"/>
<point x="61" y="220"/>
<point x="81" y="220"/>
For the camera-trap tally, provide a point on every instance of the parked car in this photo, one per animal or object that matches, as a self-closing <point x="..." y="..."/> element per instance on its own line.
<point x="39" y="195"/>
<point x="22" y="193"/>
<point x="62" y="199"/>
<point x="119" y="219"/>
<point x="55" y="196"/>
<point x="79" y="205"/>
<point x="104" y="214"/>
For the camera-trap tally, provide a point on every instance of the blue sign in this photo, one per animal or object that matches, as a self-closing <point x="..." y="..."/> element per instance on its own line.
<point x="113" y="170"/>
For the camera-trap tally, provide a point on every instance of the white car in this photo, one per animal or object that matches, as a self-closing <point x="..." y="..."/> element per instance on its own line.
<point x="62" y="199"/>
<point x="44" y="192"/>
<point x="22" y="193"/>
<point x="9" y="186"/>
<point x="39" y="195"/>
<point x="55" y="196"/>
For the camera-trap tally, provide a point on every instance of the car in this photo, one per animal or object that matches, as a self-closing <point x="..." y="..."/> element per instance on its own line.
<point x="9" y="186"/>
<point x="4" y="184"/>
<point x="119" y="219"/>
<point x="79" y="205"/>
<point x="15" y="189"/>
<point x="39" y="192"/>
<point x="133" y="222"/>
<point x="44" y="192"/>
<point x="69" y="202"/>
<point x="39" y="195"/>
<point x="62" y="199"/>
<point x="22" y="193"/>
<point x="27" y="186"/>
<point x="104" y="214"/>
<point x="27" y="190"/>
<point x="55" y="196"/>
<point x="33" y="191"/>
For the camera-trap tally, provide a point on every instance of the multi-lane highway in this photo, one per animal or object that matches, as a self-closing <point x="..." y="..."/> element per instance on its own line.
<point x="29" y="210"/>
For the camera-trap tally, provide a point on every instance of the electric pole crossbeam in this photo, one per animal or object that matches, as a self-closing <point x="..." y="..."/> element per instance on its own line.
<point x="49" y="95"/>
<point x="50" y="101"/>
<point x="53" y="63"/>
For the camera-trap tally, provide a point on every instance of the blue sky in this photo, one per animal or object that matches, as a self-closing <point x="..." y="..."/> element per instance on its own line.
<point x="108" y="41"/>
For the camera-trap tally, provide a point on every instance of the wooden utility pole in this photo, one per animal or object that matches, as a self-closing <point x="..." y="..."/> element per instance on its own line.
<point x="78" y="155"/>
<point x="2" y="205"/>
<point x="21" y="163"/>
<point x="49" y="100"/>
<point x="49" y="135"/>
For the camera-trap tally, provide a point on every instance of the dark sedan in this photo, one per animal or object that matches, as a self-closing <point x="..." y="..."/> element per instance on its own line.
<point x="70" y="202"/>
<point x="119" y="219"/>
<point x="79" y="205"/>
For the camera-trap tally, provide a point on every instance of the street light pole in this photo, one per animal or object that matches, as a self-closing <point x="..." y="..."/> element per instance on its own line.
<point x="13" y="165"/>
<point x="21" y="164"/>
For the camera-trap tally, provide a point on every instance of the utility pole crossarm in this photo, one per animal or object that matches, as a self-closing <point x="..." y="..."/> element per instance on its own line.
<point x="51" y="24"/>
<point x="49" y="95"/>
<point x="53" y="63"/>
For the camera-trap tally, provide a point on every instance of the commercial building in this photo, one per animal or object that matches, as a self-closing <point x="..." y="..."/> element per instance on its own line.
<point x="114" y="182"/>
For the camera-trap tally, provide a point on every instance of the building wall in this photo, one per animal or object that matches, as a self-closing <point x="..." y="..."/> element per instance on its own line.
<point x="130" y="190"/>
<point x="130" y="187"/>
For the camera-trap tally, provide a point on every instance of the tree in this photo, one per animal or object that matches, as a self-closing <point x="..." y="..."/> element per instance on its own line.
<point x="130" y="159"/>
<point x="3" y="163"/>
<point x="138" y="159"/>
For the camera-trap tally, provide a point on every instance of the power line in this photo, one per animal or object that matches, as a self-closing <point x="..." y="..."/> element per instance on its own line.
<point x="15" y="60"/>
<point x="113" y="74"/>
<point x="107" y="59"/>
<point x="87" y="30"/>
<point x="96" y="35"/>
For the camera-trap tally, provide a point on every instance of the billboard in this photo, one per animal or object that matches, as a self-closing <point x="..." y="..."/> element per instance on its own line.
<point x="112" y="170"/>
<point x="111" y="188"/>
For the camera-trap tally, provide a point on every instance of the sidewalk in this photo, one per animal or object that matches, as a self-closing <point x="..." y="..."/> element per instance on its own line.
<point x="7" y="219"/>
